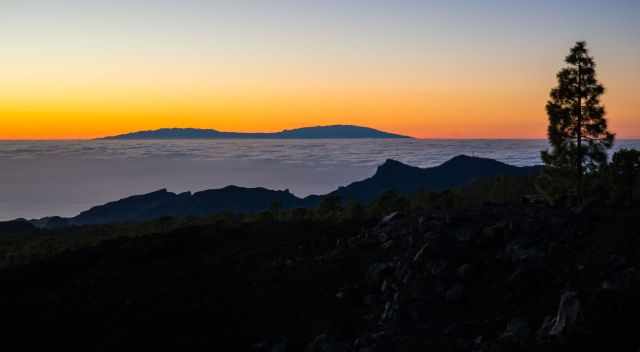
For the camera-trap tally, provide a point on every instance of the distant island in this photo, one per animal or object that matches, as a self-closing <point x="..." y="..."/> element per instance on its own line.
<point x="315" y="132"/>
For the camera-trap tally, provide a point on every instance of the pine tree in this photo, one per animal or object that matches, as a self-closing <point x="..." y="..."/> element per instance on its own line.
<point x="577" y="125"/>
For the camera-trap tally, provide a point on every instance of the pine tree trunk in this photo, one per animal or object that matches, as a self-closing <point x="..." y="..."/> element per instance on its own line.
<point x="579" y="136"/>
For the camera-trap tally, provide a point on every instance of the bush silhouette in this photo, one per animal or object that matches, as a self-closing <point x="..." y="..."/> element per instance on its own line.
<point x="625" y="171"/>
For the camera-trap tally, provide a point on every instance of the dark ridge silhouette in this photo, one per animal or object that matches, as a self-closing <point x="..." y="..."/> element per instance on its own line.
<point x="239" y="199"/>
<point x="163" y="203"/>
<point x="317" y="132"/>
<point x="396" y="176"/>
<point x="134" y="208"/>
<point x="390" y="176"/>
<point x="16" y="226"/>
<point x="50" y="222"/>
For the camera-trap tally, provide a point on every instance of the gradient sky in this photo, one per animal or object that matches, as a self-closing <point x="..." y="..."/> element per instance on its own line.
<point x="463" y="69"/>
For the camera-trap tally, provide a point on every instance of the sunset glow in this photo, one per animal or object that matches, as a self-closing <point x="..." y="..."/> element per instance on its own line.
<point x="73" y="69"/>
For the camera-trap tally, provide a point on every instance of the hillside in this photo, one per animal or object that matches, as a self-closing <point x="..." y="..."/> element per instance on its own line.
<point x="489" y="278"/>
<point x="458" y="171"/>
<point x="391" y="176"/>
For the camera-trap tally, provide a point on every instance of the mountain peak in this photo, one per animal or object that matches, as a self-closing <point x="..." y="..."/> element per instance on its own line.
<point x="471" y="161"/>
<point x="390" y="164"/>
<point x="393" y="169"/>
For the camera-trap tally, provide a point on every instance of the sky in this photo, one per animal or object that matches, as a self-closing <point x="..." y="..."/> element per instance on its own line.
<point x="429" y="69"/>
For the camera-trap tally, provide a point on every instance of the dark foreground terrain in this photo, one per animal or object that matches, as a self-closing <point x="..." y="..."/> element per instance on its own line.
<point x="479" y="278"/>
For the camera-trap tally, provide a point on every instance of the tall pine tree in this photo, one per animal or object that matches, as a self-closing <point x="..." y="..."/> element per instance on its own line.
<point x="577" y="126"/>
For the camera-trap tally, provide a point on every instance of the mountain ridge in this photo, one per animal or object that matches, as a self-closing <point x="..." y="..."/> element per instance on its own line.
<point x="392" y="175"/>
<point x="312" y="132"/>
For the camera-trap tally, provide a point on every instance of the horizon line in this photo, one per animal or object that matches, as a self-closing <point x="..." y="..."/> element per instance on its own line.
<point x="90" y="139"/>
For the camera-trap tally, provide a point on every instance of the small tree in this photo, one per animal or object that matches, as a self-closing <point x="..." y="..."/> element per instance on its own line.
<point x="625" y="171"/>
<point x="577" y="126"/>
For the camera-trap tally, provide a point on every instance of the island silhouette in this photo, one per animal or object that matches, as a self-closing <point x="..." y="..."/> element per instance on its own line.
<point x="314" y="132"/>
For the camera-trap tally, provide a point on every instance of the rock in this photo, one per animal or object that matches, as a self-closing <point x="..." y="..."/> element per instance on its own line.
<point x="515" y="336"/>
<point x="391" y="308"/>
<point x="455" y="293"/>
<point x="383" y="237"/>
<point x="534" y="199"/>
<point x="368" y="342"/>
<point x="378" y="271"/>
<point x="520" y="250"/>
<point x="622" y="280"/>
<point x="463" y="236"/>
<point x="494" y="232"/>
<point x="370" y="299"/>
<point x="389" y="218"/>
<point x="568" y="314"/>
<point x="420" y="252"/>
<point x="437" y="268"/>
<point x="280" y="346"/>
<point x="465" y="271"/>
<point x="430" y="236"/>
<point x="477" y="341"/>
<point x="387" y="311"/>
<point x="325" y="343"/>
<point x="547" y="325"/>
<point x="616" y="263"/>
<point x="517" y="330"/>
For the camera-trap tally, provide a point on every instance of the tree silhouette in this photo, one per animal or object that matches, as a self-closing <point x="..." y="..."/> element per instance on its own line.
<point x="577" y="126"/>
<point x="625" y="169"/>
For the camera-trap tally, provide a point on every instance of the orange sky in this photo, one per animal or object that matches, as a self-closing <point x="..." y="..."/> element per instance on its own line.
<point x="460" y="73"/>
<point x="461" y="111"/>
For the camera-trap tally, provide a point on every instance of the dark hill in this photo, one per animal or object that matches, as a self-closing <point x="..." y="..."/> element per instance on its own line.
<point x="392" y="175"/>
<point x="239" y="199"/>
<point x="399" y="177"/>
<point x="163" y="203"/>
<point x="317" y="132"/>
<point x="134" y="208"/>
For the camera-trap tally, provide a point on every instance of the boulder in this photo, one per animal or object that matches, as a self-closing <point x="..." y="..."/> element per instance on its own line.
<point x="569" y="313"/>
<point x="389" y="218"/>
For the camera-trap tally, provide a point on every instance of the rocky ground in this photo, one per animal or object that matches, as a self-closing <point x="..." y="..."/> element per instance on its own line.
<point x="490" y="278"/>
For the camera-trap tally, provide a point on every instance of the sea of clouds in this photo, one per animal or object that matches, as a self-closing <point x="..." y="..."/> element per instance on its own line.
<point x="44" y="178"/>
